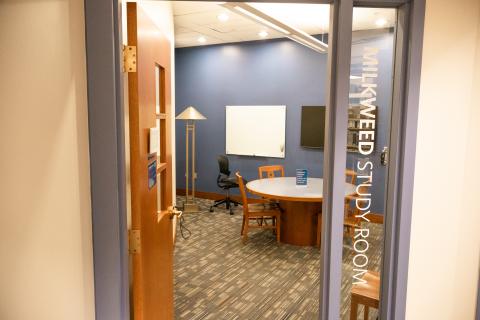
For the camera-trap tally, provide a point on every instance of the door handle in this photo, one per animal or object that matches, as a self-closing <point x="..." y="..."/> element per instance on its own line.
<point x="384" y="156"/>
<point x="173" y="211"/>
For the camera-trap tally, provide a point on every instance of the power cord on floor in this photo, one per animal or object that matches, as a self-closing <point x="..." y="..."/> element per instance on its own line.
<point x="184" y="231"/>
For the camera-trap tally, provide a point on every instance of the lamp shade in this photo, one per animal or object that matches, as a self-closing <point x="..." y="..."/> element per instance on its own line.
<point x="190" y="113"/>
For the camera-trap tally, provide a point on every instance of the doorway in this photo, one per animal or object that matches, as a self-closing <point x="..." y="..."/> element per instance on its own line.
<point x="333" y="225"/>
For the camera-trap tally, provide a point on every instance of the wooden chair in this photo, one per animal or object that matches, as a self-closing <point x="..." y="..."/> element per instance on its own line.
<point x="319" y="228"/>
<point x="351" y="176"/>
<point x="271" y="171"/>
<point x="351" y="222"/>
<point x="256" y="211"/>
<point x="367" y="294"/>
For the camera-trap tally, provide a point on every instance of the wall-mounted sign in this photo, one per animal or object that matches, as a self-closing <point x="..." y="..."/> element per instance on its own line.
<point x="152" y="174"/>
<point x="154" y="143"/>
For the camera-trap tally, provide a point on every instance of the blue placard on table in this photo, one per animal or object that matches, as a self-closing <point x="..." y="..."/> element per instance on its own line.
<point x="302" y="177"/>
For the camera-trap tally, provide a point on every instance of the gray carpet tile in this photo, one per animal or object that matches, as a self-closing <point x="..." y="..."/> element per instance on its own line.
<point x="219" y="277"/>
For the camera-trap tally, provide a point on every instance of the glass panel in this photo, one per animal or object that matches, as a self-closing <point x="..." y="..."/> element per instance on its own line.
<point x="159" y="141"/>
<point x="368" y="135"/>
<point x="159" y="192"/>
<point x="157" y="89"/>
<point x="159" y="180"/>
<point x="157" y="111"/>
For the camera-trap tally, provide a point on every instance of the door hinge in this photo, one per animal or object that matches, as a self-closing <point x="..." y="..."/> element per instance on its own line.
<point x="134" y="244"/>
<point x="129" y="58"/>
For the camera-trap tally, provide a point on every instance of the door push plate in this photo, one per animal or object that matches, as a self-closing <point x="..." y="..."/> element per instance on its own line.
<point x="129" y="59"/>
<point x="134" y="244"/>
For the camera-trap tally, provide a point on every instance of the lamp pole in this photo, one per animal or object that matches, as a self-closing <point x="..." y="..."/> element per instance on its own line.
<point x="190" y="115"/>
<point x="190" y="131"/>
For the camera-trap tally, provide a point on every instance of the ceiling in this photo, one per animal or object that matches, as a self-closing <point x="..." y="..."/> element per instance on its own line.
<point x="194" y="20"/>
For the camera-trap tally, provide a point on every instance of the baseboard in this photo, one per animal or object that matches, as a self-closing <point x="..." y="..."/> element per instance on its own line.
<point x="208" y="195"/>
<point x="215" y="196"/>
<point x="373" y="217"/>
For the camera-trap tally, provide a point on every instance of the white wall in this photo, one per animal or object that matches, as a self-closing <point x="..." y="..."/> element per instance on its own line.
<point x="46" y="268"/>
<point x="445" y="240"/>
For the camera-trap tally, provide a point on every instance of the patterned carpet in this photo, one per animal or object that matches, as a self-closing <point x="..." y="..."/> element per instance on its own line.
<point x="218" y="277"/>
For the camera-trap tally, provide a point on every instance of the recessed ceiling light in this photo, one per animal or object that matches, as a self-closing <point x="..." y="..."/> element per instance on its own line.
<point x="223" y="17"/>
<point x="263" y="34"/>
<point x="202" y="39"/>
<point x="380" y="22"/>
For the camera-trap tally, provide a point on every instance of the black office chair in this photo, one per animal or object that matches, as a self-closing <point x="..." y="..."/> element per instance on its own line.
<point x="225" y="182"/>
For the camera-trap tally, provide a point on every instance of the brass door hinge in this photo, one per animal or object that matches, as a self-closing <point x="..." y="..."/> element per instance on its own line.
<point x="134" y="244"/>
<point x="129" y="58"/>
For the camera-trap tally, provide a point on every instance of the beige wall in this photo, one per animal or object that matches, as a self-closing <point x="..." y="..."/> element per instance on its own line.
<point x="45" y="239"/>
<point x="445" y="240"/>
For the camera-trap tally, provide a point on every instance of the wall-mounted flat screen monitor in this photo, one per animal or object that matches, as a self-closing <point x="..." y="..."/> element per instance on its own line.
<point x="313" y="127"/>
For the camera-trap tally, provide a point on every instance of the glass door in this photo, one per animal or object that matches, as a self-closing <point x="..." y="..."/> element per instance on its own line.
<point x="366" y="170"/>
<point x="370" y="135"/>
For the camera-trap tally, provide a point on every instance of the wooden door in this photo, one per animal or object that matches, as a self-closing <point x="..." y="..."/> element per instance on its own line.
<point x="149" y="106"/>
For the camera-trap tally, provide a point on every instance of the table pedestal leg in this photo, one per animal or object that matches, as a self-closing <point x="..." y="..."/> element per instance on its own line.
<point x="299" y="222"/>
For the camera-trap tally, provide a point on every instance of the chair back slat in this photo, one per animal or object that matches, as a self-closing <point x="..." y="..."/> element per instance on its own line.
<point x="351" y="176"/>
<point x="271" y="171"/>
<point x="243" y="193"/>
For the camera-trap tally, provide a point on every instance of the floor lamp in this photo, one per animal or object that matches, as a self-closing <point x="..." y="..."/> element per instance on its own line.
<point x="190" y="115"/>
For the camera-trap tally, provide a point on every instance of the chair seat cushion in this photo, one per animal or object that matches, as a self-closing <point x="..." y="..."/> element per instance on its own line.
<point x="250" y="217"/>
<point x="370" y="289"/>
<point x="262" y="206"/>
<point x="351" y="222"/>
<point x="230" y="179"/>
<point x="228" y="182"/>
<point x="263" y="210"/>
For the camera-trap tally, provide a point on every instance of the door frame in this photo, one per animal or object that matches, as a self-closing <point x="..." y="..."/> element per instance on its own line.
<point x="402" y="142"/>
<point x="107" y="154"/>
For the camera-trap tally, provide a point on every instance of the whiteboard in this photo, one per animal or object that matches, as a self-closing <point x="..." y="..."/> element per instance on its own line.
<point x="255" y="130"/>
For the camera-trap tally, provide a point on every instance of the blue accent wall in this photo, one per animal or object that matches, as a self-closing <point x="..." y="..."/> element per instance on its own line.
<point x="274" y="72"/>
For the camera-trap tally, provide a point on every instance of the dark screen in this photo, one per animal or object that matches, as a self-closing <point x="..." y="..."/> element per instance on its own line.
<point x="313" y="127"/>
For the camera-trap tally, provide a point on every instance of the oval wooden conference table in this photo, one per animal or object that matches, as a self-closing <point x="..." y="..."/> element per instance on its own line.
<point x="300" y="206"/>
